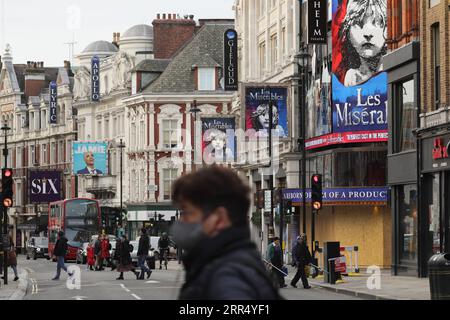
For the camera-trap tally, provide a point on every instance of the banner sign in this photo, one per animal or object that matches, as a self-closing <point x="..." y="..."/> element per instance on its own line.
<point x="359" y="94"/>
<point x="257" y="109"/>
<point x="95" y="79"/>
<point x="45" y="186"/>
<point x="347" y="137"/>
<point x="231" y="60"/>
<point x="53" y="116"/>
<point x="369" y="194"/>
<point x="317" y="21"/>
<point x="218" y="140"/>
<point x="90" y="158"/>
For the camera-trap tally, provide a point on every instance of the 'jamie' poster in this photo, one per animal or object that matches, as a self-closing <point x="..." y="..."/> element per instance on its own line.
<point x="359" y="30"/>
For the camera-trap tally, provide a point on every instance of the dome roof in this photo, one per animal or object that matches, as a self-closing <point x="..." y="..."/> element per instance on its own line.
<point x="138" y="31"/>
<point x="100" y="47"/>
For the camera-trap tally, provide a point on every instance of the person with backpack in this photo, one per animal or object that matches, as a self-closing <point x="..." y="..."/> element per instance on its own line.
<point x="221" y="261"/>
<point x="59" y="253"/>
<point x="301" y="258"/>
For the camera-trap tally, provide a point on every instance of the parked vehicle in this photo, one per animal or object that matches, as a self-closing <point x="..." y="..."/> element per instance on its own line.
<point x="37" y="247"/>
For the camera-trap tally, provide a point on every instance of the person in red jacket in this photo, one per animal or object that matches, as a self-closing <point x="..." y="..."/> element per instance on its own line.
<point x="90" y="256"/>
<point x="106" y="246"/>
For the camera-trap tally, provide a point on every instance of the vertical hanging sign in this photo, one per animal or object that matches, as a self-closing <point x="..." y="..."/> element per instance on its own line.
<point x="53" y="103"/>
<point x="95" y="79"/>
<point x="231" y="60"/>
<point x="317" y="21"/>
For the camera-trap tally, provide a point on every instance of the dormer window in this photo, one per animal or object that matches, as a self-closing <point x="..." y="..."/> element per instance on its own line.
<point x="206" y="79"/>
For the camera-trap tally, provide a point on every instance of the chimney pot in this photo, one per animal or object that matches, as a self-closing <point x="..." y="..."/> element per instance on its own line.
<point x="174" y="16"/>
<point x="158" y="16"/>
<point x="170" y="16"/>
<point x="191" y="17"/>
<point x="164" y="16"/>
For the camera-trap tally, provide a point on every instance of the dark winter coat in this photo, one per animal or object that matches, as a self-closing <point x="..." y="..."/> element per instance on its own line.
<point x="124" y="255"/>
<point x="97" y="247"/>
<point x="144" y="245"/>
<point x="301" y="254"/>
<point x="61" y="247"/>
<point x="277" y="258"/>
<point x="227" y="267"/>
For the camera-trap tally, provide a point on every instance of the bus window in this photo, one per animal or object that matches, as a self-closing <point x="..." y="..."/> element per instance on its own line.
<point x="53" y="236"/>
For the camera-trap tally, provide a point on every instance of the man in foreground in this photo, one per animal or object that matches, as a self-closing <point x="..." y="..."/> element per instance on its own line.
<point x="221" y="261"/>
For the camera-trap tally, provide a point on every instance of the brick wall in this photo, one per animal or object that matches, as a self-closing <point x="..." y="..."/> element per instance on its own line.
<point x="428" y="17"/>
<point x="403" y="22"/>
<point x="170" y="34"/>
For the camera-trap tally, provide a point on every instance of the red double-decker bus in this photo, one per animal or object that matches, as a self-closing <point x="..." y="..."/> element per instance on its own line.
<point x="78" y="218"/>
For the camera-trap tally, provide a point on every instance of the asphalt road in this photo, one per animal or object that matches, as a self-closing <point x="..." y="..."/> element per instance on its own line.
<point x="163" y="285"/>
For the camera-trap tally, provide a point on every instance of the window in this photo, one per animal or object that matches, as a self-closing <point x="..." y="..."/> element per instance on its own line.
<point x="169" y="177"/>
<point x="262" y="57"/>
<point x="408" y="226"/>
<point x="170" y="133"/>
<point x="53" y="153"/>
<point x="133" y="135"/>
<point x="44" y="119"/>
<point x="283" y="41"/>
<point x="435" y="47"/>
<point x="32" y="156"/>
<point x="99" y="129"/>
<point x="141" y="185"/>
<point x="207" y="79"/>
<point x="434" y="215"/>
<point x="115" y="126"/>
<point x="31" y="121"/>
<point x="61" y="152"/>
<point x="408" y="116"/>
<point x="106" y="129"/>
<point x="19" y="159"/>
<point x="274" y="50"/>
<point x="69" y="151"/>
<point x="44" y="154"/>
<point x="142" y="134"/>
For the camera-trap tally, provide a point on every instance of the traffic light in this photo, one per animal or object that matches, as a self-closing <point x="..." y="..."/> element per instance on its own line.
<point x="7" y="188"/>
<point x="316" y="191"/>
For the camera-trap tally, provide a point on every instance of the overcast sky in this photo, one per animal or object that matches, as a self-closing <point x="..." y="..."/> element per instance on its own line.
<point x="37" y="30"/>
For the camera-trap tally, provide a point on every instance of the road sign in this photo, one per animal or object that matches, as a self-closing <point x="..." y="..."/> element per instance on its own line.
<point x="267" y="200"/>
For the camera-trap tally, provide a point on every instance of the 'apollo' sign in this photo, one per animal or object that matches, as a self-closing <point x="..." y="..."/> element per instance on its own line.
<point x="53" y="103"/>
<point x="95" y="79"/>
<point x="45" y="186"/>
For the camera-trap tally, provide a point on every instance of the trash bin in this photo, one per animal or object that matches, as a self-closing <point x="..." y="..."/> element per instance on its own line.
<point x="439" y="275"/>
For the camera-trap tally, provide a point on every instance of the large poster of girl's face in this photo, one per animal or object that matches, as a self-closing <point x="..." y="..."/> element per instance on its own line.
<point x="359" y="31"/>
<point x="218" y="143"/>
<point x="257" y="111"/>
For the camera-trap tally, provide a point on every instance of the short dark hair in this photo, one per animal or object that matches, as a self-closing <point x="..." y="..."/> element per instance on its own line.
<point x="212" y="187"/>
<point x="275" y="239"/>
<point x="144" y="231"/>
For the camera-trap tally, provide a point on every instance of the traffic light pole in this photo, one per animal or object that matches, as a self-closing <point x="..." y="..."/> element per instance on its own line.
<point x="5" y="128"/>
<point x="271" y="233"/>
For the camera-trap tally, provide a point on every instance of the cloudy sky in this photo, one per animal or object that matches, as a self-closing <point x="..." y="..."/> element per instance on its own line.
<point x="38" y="30"/>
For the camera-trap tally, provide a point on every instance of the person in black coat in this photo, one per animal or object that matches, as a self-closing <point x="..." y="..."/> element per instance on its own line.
<point x="144" y="247"/>
<point x="301" y="258"/>
<point x="124" y="257"/>
<point x="60" y="252"/>
<point x="277" y="262"/>
<point x="221" y="261"/>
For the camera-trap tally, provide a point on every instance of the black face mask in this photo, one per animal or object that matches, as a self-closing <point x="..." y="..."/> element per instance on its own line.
<point x="187" y="235"/>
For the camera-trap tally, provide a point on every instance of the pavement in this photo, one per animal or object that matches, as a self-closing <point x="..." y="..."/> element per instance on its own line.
<point x="366" y="286"/>
<point x="35" y="284"/>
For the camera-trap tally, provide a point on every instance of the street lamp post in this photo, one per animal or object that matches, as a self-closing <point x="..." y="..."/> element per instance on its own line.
<point x="121" y="146"/>
<point x="5" y="129"/>
<point x="195" y="110"/>
<point x="271" y="231"/>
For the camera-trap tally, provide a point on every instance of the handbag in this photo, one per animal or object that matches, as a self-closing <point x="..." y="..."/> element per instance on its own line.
<point x="12" y="258"/>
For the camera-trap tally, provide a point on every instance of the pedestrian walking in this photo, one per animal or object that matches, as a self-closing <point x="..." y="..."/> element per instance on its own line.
<point x="60" y="252"/>
<point x="221" y="261"/>
<point x="116" y="255"/>
<point x="301" y="258"/>
<point x="105" y="248"/>
<point x="98" y="253"/>
<point x="90" y="257"/>
<point x="125" y="262"/>
<point x="275" y="257"/>
<point x="144" y="247"/>
<point x="12" y="259"/>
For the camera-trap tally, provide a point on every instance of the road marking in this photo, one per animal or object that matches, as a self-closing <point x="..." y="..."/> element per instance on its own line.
<point x="79" y="298"/>
<point x="136" y="296"/>
<point x="152" y="281"/>
<point x="125" y="288"/>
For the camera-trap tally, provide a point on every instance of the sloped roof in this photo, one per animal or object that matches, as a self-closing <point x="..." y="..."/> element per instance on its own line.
<point x="152" y="65"/>
<point x="205" y="48"/>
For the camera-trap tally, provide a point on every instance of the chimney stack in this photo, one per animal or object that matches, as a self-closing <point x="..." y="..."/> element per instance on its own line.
<point x="171" y="34"/>
<point x="34" y="78"/>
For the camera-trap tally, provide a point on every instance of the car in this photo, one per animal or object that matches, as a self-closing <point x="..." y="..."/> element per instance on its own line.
<point x="37" y="247"/>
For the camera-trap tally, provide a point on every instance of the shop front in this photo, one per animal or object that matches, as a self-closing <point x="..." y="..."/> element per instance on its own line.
<point x="434" y="217"/>
<point x="156" y="219"/>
